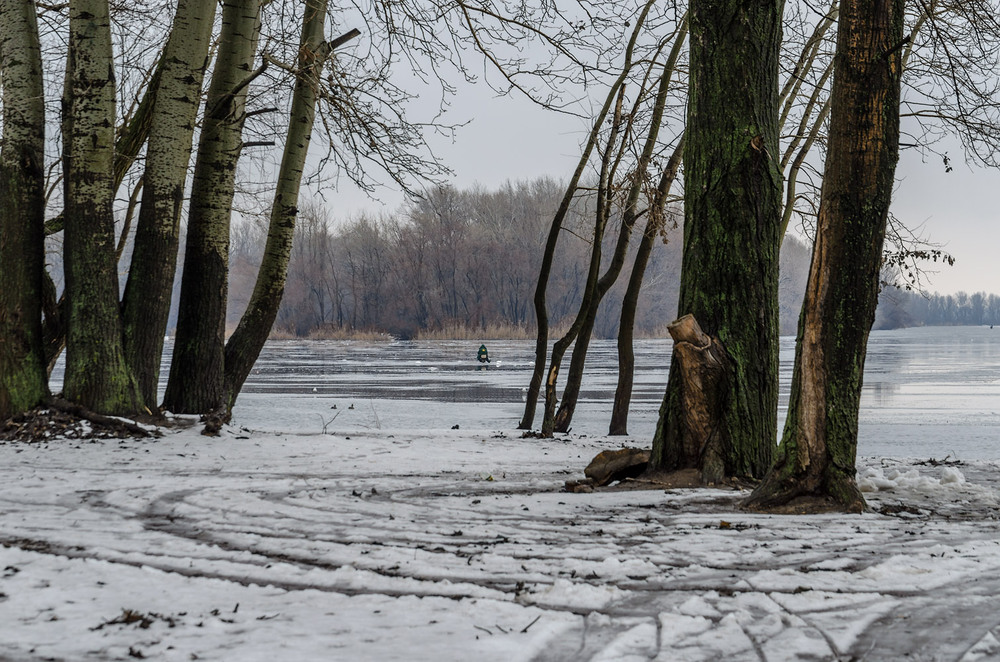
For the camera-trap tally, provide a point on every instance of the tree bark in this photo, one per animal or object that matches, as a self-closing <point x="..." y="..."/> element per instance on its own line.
<point x="729" y="273"/>
<point x="705" y="373"/>
<point x="146" y="305"/>
<point x="244" y="346"/>
<point x="97" y="375"/>
<point x="819" y="446"/>
<point x="23" y="379"/>
<point x="196" y="381"/>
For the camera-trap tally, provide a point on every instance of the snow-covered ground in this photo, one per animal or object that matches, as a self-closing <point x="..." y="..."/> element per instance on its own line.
<point x="375" y="531"/>
<point x="384" y="544"/>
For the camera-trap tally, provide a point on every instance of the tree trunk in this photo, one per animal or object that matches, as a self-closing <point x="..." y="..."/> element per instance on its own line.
<point x="626" y="352"/>
<point x="23" y="379"/>
<point x="574" y="378"/>
<point x="541" y="314"/>
<point x="97" y="375"/>
<point x="255" y="325"/>
<point x="146" y="305"/>
<point x="818" y="449"/>
<point x="593" y="272"/>
<point x="130" y="141"/>
<point x="196" y="381"/>
<point x="729" y="273"/>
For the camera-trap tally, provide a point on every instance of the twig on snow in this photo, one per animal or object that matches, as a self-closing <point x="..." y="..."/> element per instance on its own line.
<point x="525" y="630"/>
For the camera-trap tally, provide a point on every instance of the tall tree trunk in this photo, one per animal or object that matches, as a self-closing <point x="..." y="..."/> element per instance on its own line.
<point x="819" y="446"/>
<point x="244" y="346"/>
<point x="146" y="305"/>
<point x="23" y="379"/>
<point x="131" y="138"/>
<point x="574" y="378"/>
<point x="548" y="254"/>
<point x="97" y="375"/>
<point x="630" y="302"/>
<point x="196" y="381"/>
<point x="601" y="213"/>
<point x="729" y="273"/>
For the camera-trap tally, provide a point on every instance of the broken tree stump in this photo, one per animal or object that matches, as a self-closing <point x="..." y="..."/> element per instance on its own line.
<point x="704" y="371"/>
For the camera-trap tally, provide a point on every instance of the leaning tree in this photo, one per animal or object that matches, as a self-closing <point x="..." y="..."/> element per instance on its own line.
<point x="816" y="457"/>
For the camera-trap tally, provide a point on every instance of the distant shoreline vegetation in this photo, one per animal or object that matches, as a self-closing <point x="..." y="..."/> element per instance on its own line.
<point x="462" y="264"/>
<point x="451" y="332"/>
<point x="900" y="309"/>
<point x="497" y="333"/>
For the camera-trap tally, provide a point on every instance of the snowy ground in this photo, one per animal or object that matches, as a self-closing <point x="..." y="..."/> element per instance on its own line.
<point x="379" y="544"/>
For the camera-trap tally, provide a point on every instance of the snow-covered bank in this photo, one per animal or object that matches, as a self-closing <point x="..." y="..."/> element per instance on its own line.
<point x="458" y="545"/>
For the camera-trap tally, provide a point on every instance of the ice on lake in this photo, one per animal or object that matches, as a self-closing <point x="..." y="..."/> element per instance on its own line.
<point x="928" y="392"/>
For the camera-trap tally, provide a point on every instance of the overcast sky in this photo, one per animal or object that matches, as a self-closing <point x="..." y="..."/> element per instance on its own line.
<point x="509" y="139"/>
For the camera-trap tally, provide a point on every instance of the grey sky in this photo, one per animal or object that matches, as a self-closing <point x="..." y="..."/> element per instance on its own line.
<point x="511" y="139"/>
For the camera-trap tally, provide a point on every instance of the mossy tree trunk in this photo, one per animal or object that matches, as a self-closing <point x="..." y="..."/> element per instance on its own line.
<point x="177" y="95"/>
<point x="729" y="273"/>
<point x="818" y="449"/>
<point x="196" y="381"/>
<point x="132" y="135"/>
<point x="97" y="374"/>
<point x="244" y="346"/>
<point x="23" y="379"/>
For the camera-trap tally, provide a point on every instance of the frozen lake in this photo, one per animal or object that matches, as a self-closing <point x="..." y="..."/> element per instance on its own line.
<point x="928" y="392"/>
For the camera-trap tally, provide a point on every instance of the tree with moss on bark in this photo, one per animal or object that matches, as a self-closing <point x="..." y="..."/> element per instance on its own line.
<point x="23" y="381"/>
<point x="97" y="374"/>
<point x="729" y="275"/>
<point x="174" y="97"/>
<point x="195" y="383"/>
<point x="816" y="458"/>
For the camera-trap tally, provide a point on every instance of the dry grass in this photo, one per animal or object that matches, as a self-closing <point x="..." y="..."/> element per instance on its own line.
<point x="282" y="334"/>
<point x="464" y="332"/>
<point x="331" y="332"/>
<point x="448" y="332"/>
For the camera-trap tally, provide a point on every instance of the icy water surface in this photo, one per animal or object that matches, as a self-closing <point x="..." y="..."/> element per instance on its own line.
<point x="928" y="392"/>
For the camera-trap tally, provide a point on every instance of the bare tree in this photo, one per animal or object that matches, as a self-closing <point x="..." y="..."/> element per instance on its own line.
<point x="817" y="453"/>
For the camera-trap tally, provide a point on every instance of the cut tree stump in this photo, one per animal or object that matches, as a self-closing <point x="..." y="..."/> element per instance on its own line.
<point x="704" y="369"/>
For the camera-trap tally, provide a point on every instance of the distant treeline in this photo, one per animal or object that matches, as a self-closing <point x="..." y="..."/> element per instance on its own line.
<point x="461" y="260"/>
<point x="900" y="309"/>
<point x="466" y="261"/>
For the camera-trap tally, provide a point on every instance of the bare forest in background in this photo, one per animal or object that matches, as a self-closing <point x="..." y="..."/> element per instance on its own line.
<point x="461" y="262"/>
<point x="465" y="262"/>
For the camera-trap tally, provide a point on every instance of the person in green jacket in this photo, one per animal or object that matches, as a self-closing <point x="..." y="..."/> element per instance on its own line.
<point x="483" y="355"/>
